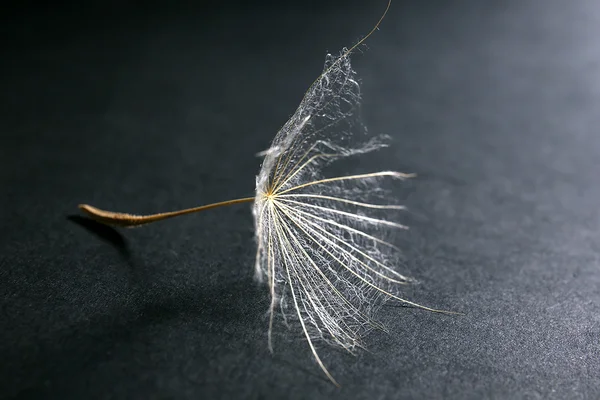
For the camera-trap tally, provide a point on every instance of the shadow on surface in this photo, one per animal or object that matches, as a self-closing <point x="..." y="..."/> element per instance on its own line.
<point x="141" y="326"/>
<point x="105" y="233"/>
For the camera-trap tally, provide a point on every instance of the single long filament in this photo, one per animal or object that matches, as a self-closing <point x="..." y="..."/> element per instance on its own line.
<point x="129" y="220"/>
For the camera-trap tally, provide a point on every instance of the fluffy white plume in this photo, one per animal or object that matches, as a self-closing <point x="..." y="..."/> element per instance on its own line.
<point x="321" y="244"/>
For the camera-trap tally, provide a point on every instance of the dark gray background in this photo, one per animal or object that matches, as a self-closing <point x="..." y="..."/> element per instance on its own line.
<point x="495" y="104"/>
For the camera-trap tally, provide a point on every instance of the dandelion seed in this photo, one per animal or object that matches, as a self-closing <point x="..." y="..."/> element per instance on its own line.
<point x="321" y="244"/>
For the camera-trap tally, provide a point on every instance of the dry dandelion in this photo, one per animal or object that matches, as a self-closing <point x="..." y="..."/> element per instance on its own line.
<point x="321" y="244"/>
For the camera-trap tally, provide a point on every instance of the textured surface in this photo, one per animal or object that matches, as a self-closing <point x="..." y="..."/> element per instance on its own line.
<point x="495" y="106"/>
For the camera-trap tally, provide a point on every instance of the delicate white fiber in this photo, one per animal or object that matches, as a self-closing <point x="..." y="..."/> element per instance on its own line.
<point x="321" y="241"/>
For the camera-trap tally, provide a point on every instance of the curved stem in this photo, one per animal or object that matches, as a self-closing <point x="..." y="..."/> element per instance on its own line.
<point x="128" y="220"/>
